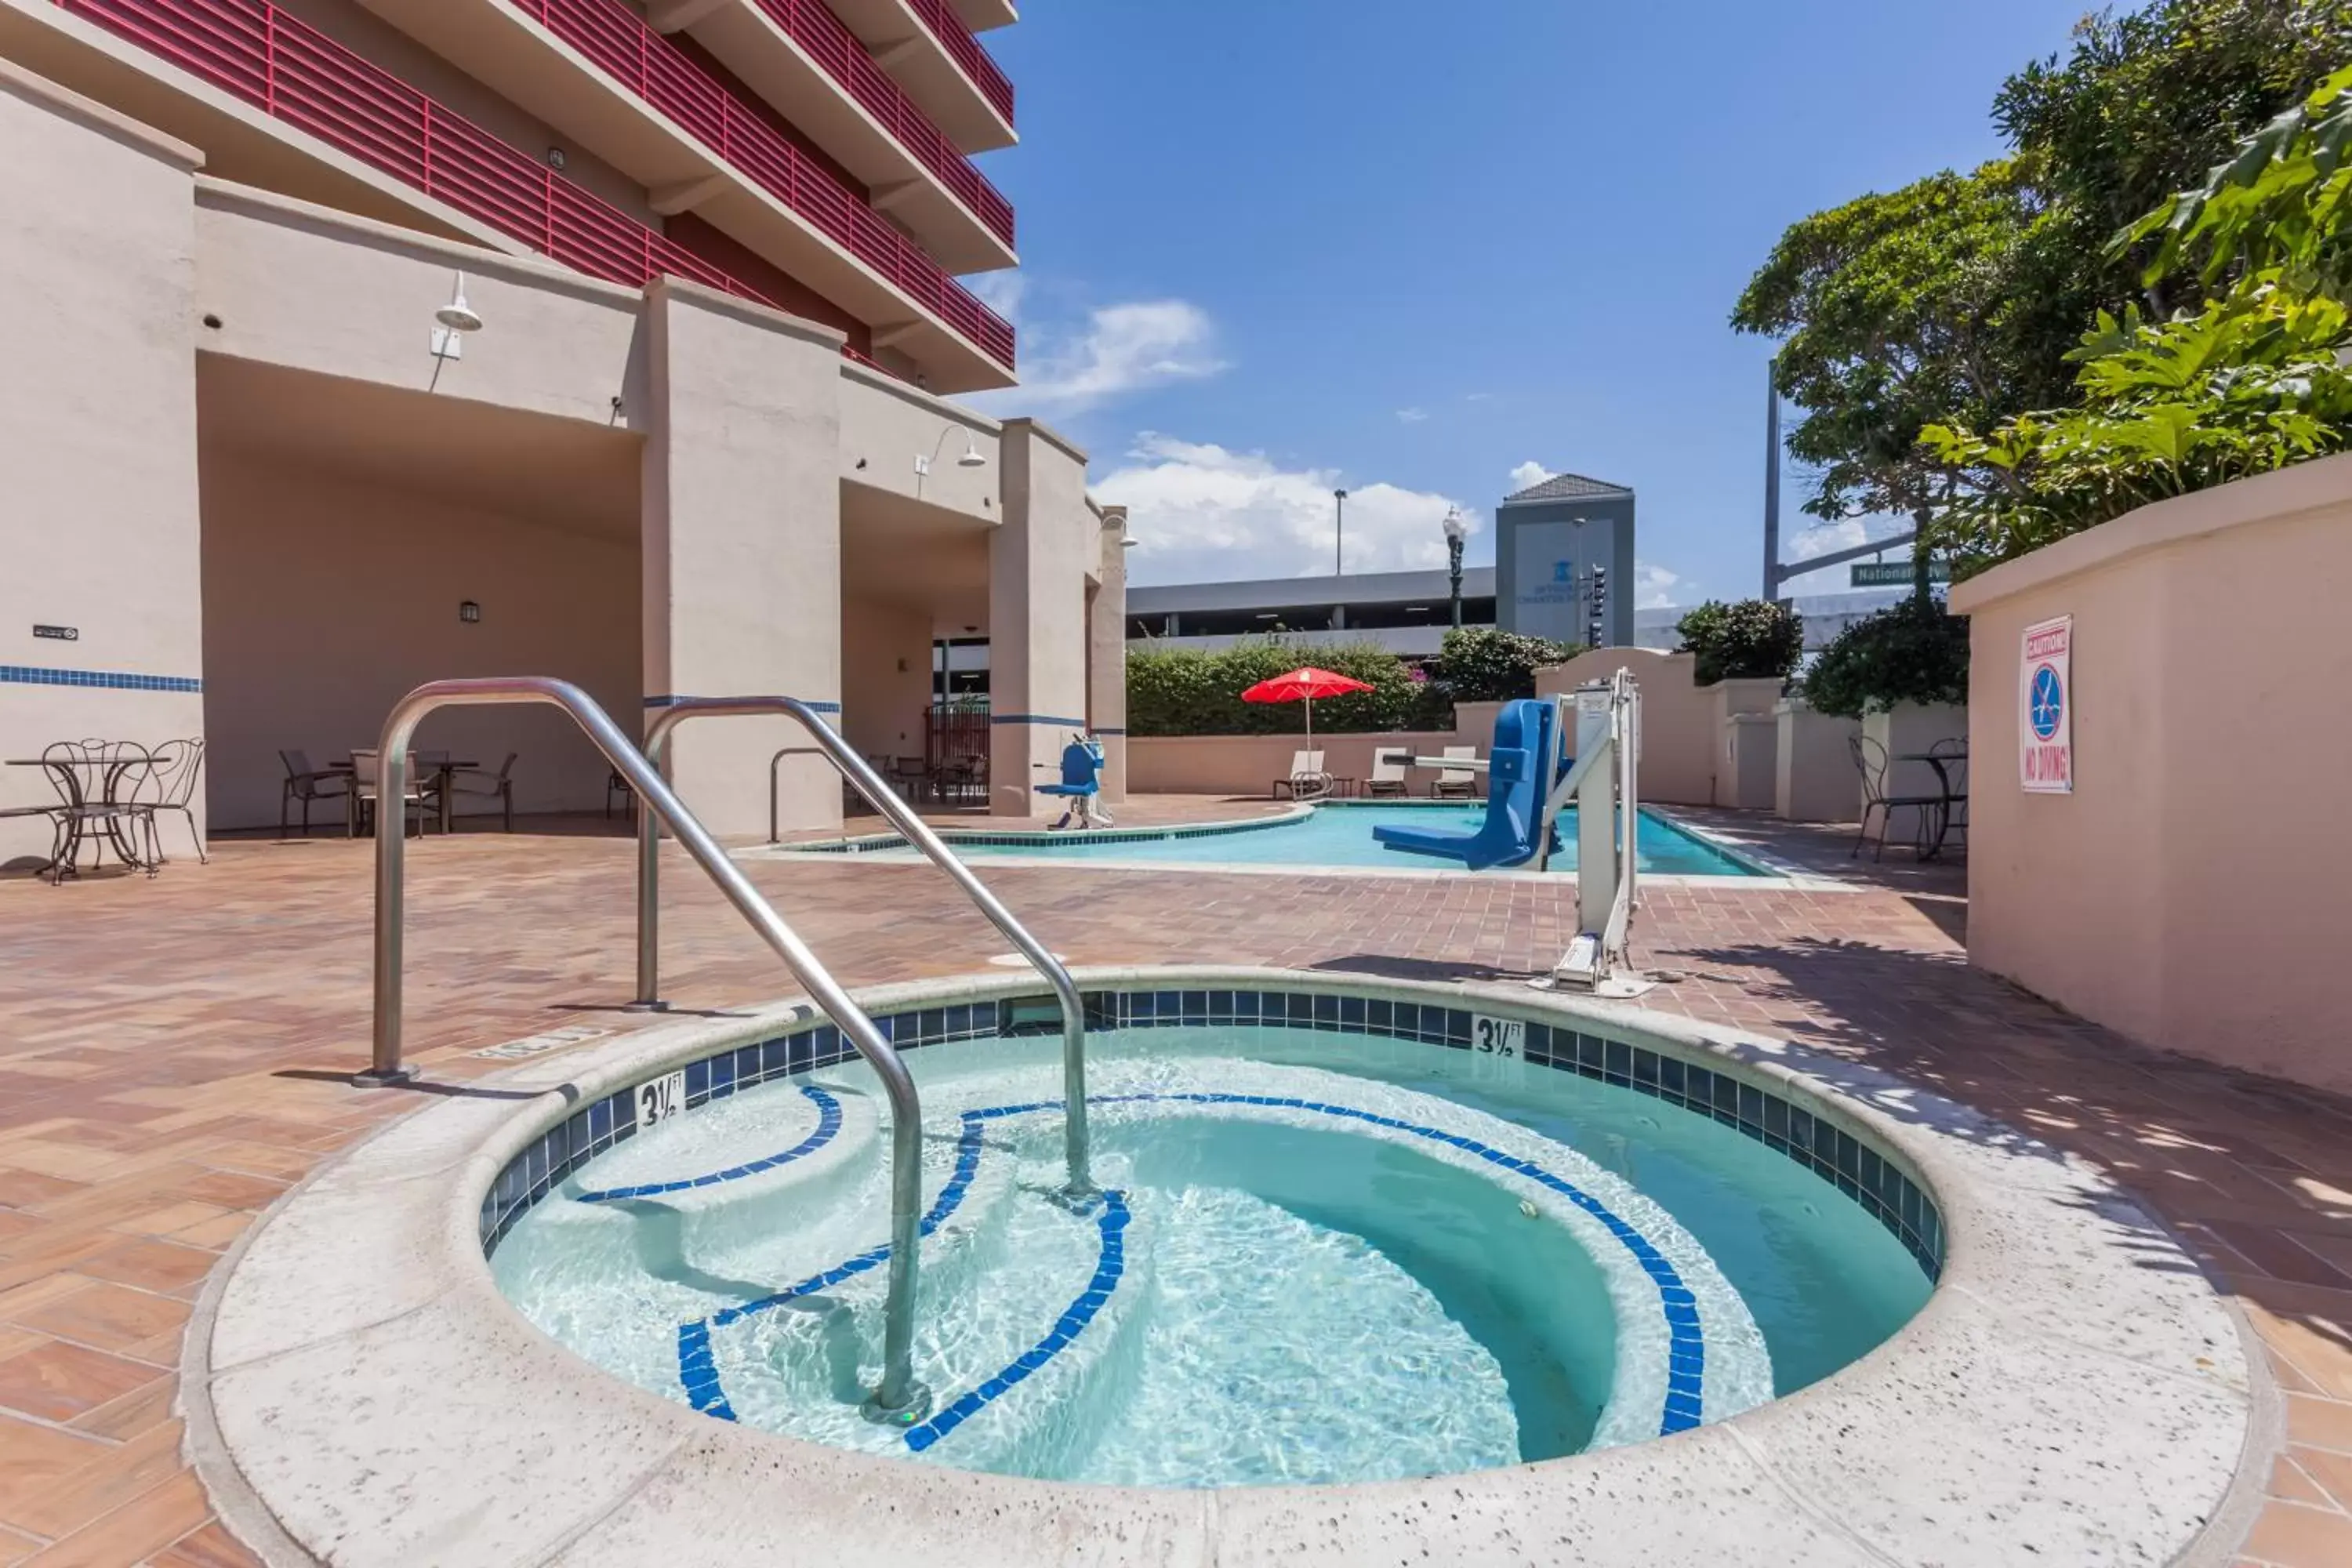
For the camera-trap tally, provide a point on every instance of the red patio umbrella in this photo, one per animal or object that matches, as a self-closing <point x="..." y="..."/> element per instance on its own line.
<point x="1305" y="685"/>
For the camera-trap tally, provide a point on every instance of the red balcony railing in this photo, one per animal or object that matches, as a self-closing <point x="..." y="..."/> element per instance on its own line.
<point x="939" y="16"/>
<point x="816" y="28"/>
<point x="297" y="74"/>
<point x="618" y="40"/>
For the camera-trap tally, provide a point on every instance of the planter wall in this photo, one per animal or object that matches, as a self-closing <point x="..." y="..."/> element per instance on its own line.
<point x="2189" y="892"/>
<point x="1814" y="778"/>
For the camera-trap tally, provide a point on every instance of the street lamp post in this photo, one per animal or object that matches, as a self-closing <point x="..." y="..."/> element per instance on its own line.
<point x="1457" y="530"/>
<point x="1339" y="533"/>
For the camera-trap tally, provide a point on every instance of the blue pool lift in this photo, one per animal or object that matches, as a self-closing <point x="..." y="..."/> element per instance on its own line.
<point x="1081" y="786"/>
<point x="1532" y="775"/>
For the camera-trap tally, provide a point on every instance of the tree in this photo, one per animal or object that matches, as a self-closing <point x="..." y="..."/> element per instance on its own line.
<point x="1935" y="302"/>
<point x="2145" y="104"/>
<point x="1911" y="653"/>
<point x="2251" y="381"/>
<point x="1753" y="640"/>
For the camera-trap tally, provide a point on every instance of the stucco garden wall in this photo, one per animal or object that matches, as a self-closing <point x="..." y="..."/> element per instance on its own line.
<point x="2189" y="892"/>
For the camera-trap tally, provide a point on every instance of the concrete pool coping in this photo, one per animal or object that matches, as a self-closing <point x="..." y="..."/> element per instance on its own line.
<point x="358" y="1392"/>
<point x="885" y="848"/>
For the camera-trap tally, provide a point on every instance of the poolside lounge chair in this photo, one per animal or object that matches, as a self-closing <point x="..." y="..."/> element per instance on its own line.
<point x="1389" y="766"/>
<point x="1308" y="777"/>
<point x="1457" y="782"/>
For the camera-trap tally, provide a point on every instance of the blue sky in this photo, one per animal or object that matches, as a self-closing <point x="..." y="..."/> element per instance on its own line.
<point x="1274" y="246"/>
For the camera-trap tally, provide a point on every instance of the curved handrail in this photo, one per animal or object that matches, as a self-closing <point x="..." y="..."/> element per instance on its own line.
<point x="900" y="1397"/>
<point x="869" y="783"/>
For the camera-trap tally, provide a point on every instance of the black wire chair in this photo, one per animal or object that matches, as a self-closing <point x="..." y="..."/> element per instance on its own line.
<point x="167" y="783"/>
<point x="1871" y="759"/>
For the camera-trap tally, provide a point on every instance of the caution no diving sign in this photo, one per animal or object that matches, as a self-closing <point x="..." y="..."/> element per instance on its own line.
<point x="2045" y="709"/>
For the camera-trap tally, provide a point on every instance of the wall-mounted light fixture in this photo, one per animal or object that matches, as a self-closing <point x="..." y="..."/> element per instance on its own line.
<point x="555" y="159"/>
<point x="469" y="611"/>
<point x="452" y="322"/>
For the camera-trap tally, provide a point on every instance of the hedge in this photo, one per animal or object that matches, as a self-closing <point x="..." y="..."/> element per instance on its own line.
<point x="1189" y="692"/>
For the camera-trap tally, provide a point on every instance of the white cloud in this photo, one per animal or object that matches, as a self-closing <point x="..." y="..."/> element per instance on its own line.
<point x="1411" y="415"/>
<point x="1201" y="512"/>
<point x="1118" y="349"/>
<point x="1528" y="473"/>
<point x="1653" y="585"/>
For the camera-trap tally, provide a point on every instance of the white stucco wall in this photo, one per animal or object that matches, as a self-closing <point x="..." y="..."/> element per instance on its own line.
<point x="97" y="434"/>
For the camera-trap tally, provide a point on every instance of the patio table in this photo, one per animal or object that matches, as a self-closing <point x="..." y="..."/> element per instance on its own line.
<point x="1937" y="759"/>
<point x="442" y="772"/>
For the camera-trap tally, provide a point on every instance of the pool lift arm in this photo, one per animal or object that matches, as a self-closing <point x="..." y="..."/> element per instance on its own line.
<point x="1604" y="783"/>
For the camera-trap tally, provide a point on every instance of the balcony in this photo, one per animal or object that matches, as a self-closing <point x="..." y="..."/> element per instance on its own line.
<point x="926" y="44"/>
<point x="295" y="74"/>
<point x="980" y="15"/>
<point x="798" y="53"/>
<point x="635" y="100"/>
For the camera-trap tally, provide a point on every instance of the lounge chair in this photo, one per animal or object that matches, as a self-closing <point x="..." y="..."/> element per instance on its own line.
<point x="1389" y="766"/>
<point x="1459" y="782"/>
<point x="1308" y="777"/>
<point x="307" y="784"/>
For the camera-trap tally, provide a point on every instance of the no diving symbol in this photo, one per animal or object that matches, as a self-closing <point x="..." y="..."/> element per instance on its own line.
<point x="2048" y="703"/>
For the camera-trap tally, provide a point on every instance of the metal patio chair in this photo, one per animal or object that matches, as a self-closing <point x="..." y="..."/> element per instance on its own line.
<point x="168" y="782"/>
<point x="364" y="789"/>
<point x="1871" y="760"/>
<point x="307" y="784"/>
<point x="498" y="786"/>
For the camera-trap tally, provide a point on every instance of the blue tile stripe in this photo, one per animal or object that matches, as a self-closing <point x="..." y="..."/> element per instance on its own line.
<point x="1687" y="1353"/>
<point x="669" y="700"/>
<point x="1038" y="719"/>
<point x="112" y="680"/>
<point x="1111" y="1220"/>
<point x="829" y="1124"/>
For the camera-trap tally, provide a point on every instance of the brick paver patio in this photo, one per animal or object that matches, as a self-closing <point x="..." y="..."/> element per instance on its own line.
<point x="173" y="1056"/>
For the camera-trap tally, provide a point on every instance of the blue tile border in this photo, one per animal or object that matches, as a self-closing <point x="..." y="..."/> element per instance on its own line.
<point x="112" y="680"/>
<point x="829" y="1124"/>
<point x="1815" y="1142"/>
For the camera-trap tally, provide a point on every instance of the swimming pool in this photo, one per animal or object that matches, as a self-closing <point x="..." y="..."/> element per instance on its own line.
<point x="1334" y="833"/>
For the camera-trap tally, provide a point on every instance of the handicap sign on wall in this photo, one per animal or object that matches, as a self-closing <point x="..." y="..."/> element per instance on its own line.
<point x="2045" y="709"/>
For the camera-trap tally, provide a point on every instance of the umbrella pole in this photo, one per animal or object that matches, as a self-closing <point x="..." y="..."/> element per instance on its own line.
<point x="1310" y="723"/>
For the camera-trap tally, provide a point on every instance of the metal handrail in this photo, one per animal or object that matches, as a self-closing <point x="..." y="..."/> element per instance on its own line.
<point x="883" y="799"/>
<point x="899" y="1398"/>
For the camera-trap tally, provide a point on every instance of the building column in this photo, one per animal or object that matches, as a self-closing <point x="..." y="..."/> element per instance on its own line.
<point x="742" y="547"/>
<point x="101" y="619"/>
<point x="1107" y="654"/>
<point x="1037" y="627"/>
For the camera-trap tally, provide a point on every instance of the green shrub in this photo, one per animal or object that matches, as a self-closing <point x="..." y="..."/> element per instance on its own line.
<point x="1913" y="653"/>
<point x="1189" y="692"/>
<point x="1754" y="639"/>
<point x="1484" y="664"/>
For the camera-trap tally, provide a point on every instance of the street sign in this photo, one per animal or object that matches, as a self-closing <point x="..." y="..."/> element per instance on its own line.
<point x="2046" y="708"/>
<point x="1895" y="574"/>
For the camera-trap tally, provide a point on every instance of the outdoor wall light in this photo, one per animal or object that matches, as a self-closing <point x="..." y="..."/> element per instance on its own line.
<point x="555" y="159"/>
<point x="453" y="321"/>
<point x="972" y="457"/>
<point x="469" y="611"/>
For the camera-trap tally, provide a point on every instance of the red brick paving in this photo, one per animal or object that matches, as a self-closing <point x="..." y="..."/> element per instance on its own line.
<point x="173" y="1051"/>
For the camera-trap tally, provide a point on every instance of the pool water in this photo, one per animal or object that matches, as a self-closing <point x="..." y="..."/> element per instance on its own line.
<point x="1342" y="835"/>
<point x="1317" y="1258"/>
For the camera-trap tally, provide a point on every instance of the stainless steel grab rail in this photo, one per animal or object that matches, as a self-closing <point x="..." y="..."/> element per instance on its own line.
<point x="918" y="832"/>
<point x="900" y="1399"/>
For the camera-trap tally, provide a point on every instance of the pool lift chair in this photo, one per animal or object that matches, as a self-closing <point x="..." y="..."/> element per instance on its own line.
<point x="1081" y="786"/>
<point x="1530" y="781"/>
